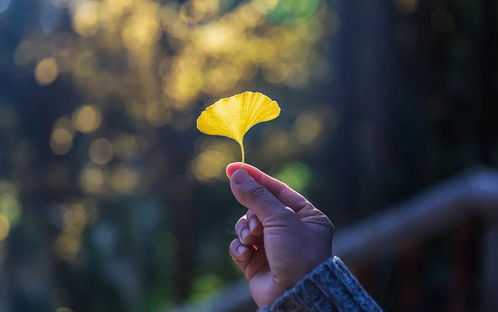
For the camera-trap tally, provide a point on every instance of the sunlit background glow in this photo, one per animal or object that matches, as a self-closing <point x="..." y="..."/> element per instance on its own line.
<point x="134" y="75"/>
<point x="110" y="199"/>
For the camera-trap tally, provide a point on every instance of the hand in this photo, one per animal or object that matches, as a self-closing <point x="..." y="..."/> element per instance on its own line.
<point x="280" y="239"/>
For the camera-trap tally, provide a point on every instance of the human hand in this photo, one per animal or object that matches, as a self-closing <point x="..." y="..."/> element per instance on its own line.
<point x="280" y="239"/>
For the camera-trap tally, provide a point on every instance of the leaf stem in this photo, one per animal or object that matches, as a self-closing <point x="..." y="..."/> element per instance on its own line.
<point x="242" y="152"/>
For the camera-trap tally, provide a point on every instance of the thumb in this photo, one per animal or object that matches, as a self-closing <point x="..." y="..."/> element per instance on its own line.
<point x="255" y="197"/>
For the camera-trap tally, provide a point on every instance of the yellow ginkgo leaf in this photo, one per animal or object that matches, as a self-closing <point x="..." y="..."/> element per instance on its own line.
<point x="234" y="116"/>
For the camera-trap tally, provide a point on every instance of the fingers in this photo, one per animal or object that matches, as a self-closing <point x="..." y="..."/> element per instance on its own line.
<point x="240" y="254"/>
<point x="256" y="197"/>
<point x="280" y="190"/>
<point x="248" y="260"/>
<point x="250" y="233"/>
<point x="255" y="226"/>
<point x="249" y="230"/>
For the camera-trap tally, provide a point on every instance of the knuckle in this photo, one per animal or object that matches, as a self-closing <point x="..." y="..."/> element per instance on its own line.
<point x="305" y="205"/>
<point x="232" y="246"/>
<point x="308" y="205"/>
<point x="240" y="224"/>
<point x="253" y="191"/>
<point x="279" y="217"/>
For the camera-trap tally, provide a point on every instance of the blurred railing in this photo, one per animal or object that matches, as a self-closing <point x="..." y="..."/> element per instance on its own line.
<point x="474" y="194"/>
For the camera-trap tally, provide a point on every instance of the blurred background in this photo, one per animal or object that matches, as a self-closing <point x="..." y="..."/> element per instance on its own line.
<point x="111" y="200"/>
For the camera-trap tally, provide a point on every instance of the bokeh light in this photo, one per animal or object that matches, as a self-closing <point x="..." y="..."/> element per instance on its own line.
<point x="10" y="207"/>
<point x="307" y="127"/>
<point x="291" y="11"/>
<point x="297" y="175"/>
<point x="215" y="154"/>
<point x="4" y="227"/>
<point x="61" y="141"/>
<point x="124" y="180"/>
<point x="86" y="17"/>
<point x="87" y="118"/>
<point x="46" y="71"/>
<point x="101" y="151"/>
<point x="62" y="136"/>
<point x="92" y="180"/>
<point x="158" y="114"/>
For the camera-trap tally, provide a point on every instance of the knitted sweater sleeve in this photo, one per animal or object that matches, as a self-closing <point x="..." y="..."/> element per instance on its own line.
<point x="329" y="287"/>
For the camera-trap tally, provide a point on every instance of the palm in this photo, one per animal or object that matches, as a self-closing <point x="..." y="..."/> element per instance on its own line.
<point x="262" y="284"/>
<point x="285" y="256"/>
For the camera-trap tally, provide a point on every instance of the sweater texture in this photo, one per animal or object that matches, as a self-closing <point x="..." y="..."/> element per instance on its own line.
<point x="330" y="287"/>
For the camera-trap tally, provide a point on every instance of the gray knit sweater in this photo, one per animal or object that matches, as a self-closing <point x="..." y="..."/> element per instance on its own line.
<point x="330" y="287"/>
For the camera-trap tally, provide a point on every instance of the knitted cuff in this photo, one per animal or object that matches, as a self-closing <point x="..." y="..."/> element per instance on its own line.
<point x="329" y="287"/>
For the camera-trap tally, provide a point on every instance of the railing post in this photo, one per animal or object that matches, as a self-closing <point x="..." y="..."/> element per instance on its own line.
<point x="489" y="274"/>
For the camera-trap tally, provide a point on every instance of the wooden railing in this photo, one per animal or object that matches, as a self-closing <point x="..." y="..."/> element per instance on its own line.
<point x="473" y="194"/>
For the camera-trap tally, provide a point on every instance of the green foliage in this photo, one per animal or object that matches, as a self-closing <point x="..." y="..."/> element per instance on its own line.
<point x="297" y="175"/>
<point x="293" y="11"/>
<point x="205" y="285"/>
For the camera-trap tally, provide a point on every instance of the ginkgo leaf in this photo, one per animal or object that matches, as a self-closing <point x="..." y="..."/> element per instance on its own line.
<point x="234" y="116"/>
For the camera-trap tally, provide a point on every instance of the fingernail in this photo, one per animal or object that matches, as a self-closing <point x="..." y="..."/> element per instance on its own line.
<point x="231" y="168"/>
<point x="244" y="233"/>
<point x="252" y="224"/>
<point x="239" y="176"/>
<point x="241" y="249"/>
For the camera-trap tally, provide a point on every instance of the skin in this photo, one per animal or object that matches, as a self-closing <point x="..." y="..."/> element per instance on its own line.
<point x="281" y="238"/>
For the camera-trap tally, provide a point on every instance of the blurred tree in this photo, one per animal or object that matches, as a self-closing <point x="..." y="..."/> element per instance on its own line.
<point x="119" y="91"/>
<point x="111" y="200"/>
